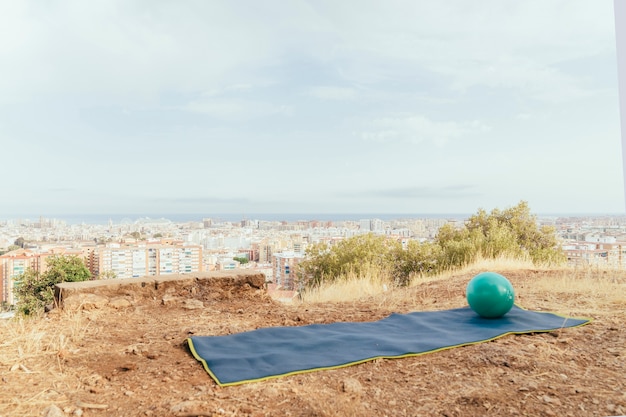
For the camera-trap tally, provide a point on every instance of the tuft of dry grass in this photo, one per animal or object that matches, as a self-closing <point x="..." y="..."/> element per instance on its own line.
<point x="588" y="290"/>
<point x="33" y="348"/>
<point x="350" y="287"/>
<point x="375" y="281"/>
<point x="571" y="290"/>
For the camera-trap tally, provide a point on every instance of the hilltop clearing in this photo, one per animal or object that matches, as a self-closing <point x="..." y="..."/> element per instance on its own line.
<point x="131" y="359"/>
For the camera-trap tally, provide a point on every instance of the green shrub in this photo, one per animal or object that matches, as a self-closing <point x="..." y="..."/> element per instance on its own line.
<point x="513" y="233"/>
<point x="35" y="291"/>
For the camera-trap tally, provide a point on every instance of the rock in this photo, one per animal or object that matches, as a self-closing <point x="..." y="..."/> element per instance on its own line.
<point x="170" y="300"/>
<point x="53" y="411"/>
<point x="187" y="406"/>
<point x="192" y="304"/>
<point x="119" y="303"/>
<point x="135" y="349"/>
<point x="85" y="301"/>
<point x="351" y="386"/>
<point x="270" y="392"/>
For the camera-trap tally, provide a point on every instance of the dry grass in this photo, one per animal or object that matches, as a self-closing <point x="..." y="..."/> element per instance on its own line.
<point x="571" y="290"/>
<point x="586" y="290"/>
<point x="32" y="350"/>
<point x="375" y="281"/>
<point x="350" y="287"/>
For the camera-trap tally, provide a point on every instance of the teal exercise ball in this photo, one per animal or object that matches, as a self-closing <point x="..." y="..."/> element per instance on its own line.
<point x="490" y="295"/>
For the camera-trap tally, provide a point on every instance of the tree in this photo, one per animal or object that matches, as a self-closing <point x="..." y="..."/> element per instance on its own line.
<point x="20" y="242"/>
<point x="512" y="232"/>
<point x="241" y="259"/>
<point x="35" y="291"/>
<point x="353" y="255"/>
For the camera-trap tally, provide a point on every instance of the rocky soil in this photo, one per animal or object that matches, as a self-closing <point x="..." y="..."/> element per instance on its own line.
<point x="127" y="356"/>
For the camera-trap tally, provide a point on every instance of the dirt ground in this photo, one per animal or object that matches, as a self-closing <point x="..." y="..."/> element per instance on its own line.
<point x="134" y="361"/>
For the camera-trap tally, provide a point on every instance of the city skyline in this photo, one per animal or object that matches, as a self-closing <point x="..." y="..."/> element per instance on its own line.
<point x="309" y="107"/>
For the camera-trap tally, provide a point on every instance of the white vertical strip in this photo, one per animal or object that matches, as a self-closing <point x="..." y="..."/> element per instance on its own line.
<point x="620" y="41"/>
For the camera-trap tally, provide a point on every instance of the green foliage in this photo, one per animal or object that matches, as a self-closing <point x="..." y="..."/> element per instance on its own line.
<point x="513" y="232"/>
<point x="502" y="233"/>
<point x="416" y="259"/>
<point x="19" y="242"/>
<point x="241" y="259"/>
<point x="35" y="291"/>
<point x="354" y="255"/>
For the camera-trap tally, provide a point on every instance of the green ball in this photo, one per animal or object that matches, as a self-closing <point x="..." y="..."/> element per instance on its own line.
<point x="490" y="295"/>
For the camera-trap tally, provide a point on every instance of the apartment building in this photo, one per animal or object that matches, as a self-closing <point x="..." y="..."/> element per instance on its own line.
<point x="132" y="261"/>
<point x="593" y="253"/>
<point x="15" y="263"/>
<point x="284" y="265"/>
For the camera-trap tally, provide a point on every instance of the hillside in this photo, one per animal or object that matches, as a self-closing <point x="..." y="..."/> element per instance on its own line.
<point x="129" y="358"/>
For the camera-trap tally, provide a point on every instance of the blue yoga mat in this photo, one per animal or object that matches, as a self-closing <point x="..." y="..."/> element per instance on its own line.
<point x="279" y="351"/>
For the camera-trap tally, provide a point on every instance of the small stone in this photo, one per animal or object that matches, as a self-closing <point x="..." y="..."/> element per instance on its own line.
<point x="270" y="392"/>
<point x="169" y="300"/>
<point x="78" y="412"/>
<point x="351" y="386"/>
<point x="53" y="411"/>
<point x="119" y="303"/>
<point x="129" y="393"/>
<point x="85" y="301"/>
<point x="186" y="406"/>
<point x="192" y="304"/>
<point x="134" y="349"/>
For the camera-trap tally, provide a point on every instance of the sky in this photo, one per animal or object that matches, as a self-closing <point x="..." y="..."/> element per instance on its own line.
<point x="357" y="106"/>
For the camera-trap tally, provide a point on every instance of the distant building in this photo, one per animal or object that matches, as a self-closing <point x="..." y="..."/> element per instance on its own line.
<point x="15" y="263"/>
<point x="284" y="265"/>
<point x="150" y="259"/>
<point x="599" y="254"/>
<point x="371" y="225"/>
<point x="226" y="264"/>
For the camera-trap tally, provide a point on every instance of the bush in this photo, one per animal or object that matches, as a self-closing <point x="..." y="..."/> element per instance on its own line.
<point x="513" y="232"/>
<point x="350" y="256"/>
<point x="35" y="291"/>
<point x="510" y="233"/>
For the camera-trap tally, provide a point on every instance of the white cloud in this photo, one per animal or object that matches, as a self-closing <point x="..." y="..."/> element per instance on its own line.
<point x="333" y="93"/>
<point x="418" y="128"/>
<point x="234" y="109"/>
<point x="110" y="87"/>
<point x="494" y="43"/>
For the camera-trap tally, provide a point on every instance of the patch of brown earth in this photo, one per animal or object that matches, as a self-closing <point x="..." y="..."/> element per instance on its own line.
<point x="132" y="360"/>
